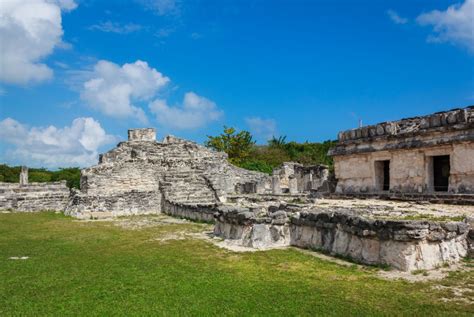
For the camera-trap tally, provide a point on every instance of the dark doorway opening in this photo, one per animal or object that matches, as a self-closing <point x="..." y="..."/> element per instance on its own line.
<point x="441" y="171"/>
<point x="382" y="175"/>
<point x="386" y="175"/>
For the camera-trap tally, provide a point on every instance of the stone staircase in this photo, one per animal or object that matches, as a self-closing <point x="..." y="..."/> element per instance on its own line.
<point x="186" y="186"/>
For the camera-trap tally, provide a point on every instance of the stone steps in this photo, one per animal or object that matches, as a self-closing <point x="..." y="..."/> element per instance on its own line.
<point x="185" y="186"/>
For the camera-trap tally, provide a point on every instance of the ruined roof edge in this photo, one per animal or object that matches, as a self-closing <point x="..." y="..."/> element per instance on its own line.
<point x="457" y="119"/>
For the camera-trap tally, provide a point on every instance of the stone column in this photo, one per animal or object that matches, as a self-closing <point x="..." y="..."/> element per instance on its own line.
<point x="276" y="189"/>
<point x="293" y="185"/>
<point x="24" y="175"/>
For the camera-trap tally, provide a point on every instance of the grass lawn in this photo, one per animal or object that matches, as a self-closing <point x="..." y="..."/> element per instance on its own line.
<point x="100" y="268"/>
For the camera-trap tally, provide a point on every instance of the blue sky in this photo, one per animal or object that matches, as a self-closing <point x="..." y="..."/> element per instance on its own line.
<point x="75" y="75"/>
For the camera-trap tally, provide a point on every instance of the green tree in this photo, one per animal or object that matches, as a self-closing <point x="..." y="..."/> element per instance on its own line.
<point x="277" y="143"/>
<point x="238" y="146"/>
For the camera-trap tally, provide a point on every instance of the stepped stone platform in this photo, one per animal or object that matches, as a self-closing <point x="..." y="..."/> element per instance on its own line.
<point x="405" y="236"/>
<point x="143" y="176"/>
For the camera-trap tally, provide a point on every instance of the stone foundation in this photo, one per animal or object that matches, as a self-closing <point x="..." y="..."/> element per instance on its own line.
<point x="126" y="204"/>
<point x="245" y="228"/>
<point x="34" y="196"/>
<point x="402" y="244"/>
<point x="196" y="212"/>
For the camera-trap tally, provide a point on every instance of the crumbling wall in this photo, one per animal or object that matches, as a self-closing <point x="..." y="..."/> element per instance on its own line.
<point x="34" y="196"/>
<point x="402" y="244"/>
<point x="294" y="178"/>
<point x="409" y="145"/>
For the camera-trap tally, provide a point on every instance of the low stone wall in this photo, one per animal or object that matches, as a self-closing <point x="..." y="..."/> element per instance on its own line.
<point x="196" y="212"/>
<point x="401" y="244"/>
<point x="434" y="198"/>
<point x="404" y="245"/>
<point x="34" y="196"/>
<point x="126" y="204"/>
<point x="245" y="228"/>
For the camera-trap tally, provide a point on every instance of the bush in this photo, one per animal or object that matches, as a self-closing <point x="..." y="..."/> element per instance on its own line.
<point x="243" y="152"/>
<point x="256" y="165"/>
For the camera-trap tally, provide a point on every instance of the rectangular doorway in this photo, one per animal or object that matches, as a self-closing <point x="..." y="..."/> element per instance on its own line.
<point x="382" y="175"/>
<point x="441" y="171"/>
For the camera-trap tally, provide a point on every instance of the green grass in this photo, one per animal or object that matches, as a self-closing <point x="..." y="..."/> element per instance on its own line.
<point x="100" y="269"/>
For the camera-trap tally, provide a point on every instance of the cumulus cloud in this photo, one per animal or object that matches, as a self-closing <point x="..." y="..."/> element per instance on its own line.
<point x="395" y="17"/>
<point x="74" y="145"/>
<point x="194" y="112"/>
<point x="455" y="25"/>
<point x="114" y="27"/>
<point x="112" y="89"/>
<point x="262" y="128"/>
<point x="29" y="32"/>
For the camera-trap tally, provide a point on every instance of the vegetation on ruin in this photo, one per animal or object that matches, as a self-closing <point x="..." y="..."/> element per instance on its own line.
<point x="103" y="269"/>
<point x="12" y="175"/>
<point x="244" y="152"/>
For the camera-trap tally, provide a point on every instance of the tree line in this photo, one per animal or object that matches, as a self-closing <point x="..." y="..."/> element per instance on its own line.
<point x="11" y="174"/>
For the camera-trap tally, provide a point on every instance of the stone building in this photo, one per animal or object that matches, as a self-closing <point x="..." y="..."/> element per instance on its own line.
<point x="294" y="178"/>
<point x="430" y="154"/>
<point x="143" y="176"/>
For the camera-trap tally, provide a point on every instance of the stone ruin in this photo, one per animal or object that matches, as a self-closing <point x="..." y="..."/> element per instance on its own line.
<point x="294" y="206"/>
<point x="295" y="178"/>
<point x="432" y="154"/>
<point x="143" y="176"/>
<point x="350" y="232"/>
<point x="30" y="197"/>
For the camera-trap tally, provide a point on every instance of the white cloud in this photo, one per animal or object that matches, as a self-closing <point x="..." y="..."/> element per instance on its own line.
<point x="113" y="27"/>
<point x="75" y="145"/>
<point x="29" y="32"/>
<point x="162" y="7"/>
<point x="112" y="88"/>
<point x="262" y="128"/>
<point x="455" y="25"/>
<point x="195" y="112"/>
<point x="396" y="18"/>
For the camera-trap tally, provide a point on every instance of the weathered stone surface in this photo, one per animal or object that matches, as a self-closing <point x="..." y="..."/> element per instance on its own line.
<point x="24" y="176"/>
<point x="409" y="145"/>
<point x="143" y="176"/>
<point x="404" y="245"/>
<point x="34" y="196"/>
<point x="296" y="178"/>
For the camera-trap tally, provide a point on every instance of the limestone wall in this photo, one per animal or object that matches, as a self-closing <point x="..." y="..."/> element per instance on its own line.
<point x="410" y="170"/>
<point x="293" y="178"/>
<point x="84" y="206"/>
<point x="402" y="244"/>
<point x="244" y="228"/>
<point x="34" y="196"/>
<point x="196" y="212"/>
<point x="409" y="145"/>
